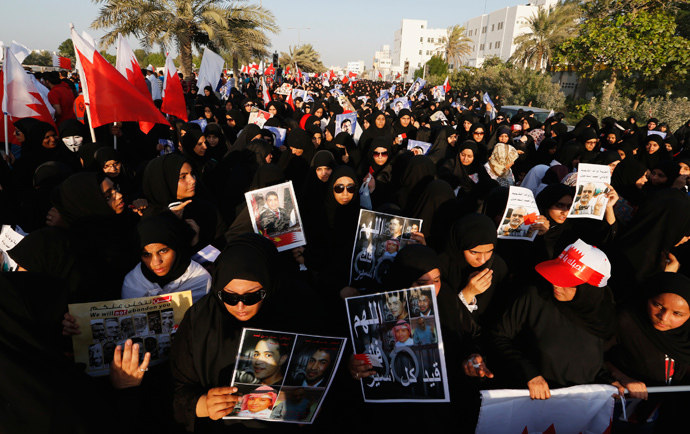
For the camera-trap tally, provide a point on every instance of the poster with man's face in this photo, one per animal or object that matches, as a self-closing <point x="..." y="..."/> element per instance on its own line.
<point x="150" y="322"/>
<point x="398" y="333"/>
<point x="275" y="215"/>
<point x="283" y="377"/>
<point x="416" y="87"/>
<point x="591" y="190"/>
<point x="520" y="214"/>
<point x="377" y="242"/>
<point x="346" y="122"/>
<point x="400" y="103"/>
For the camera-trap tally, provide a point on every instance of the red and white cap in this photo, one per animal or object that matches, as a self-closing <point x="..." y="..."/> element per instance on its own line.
<point x="579" y="263"/>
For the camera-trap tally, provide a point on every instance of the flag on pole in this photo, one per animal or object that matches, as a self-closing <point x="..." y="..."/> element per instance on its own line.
<point x="107" y="93"/>
<point x="173" y="95"/>
<point x="299" y="73"/>
<point x="446" y="85"/>
<point x="20" y="51"/>
<point x="129" y="67"/>
<point x="61" y="62"/>
<point x="290" y="101"/>
<point x="270" y="70"/>
<point x="264" y="92"/>
<point x="210" y="70"/>
<point x="331" y="75"/>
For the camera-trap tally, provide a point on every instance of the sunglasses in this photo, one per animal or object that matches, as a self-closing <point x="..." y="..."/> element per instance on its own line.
<point x="249" y="105"/>
<point x="500" y="119"/>
<point x="340" y="188"/>
<point x="479" y="133"/>
<point x="247" y="299"/>
<point x="381" y="154"/>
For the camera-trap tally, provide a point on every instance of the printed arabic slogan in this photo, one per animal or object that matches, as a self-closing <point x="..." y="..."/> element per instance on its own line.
<point x="284" y="377"/>
<point x="379" y="239"/>
<point x="392" y="332"/>
<point x="149" y="321"/>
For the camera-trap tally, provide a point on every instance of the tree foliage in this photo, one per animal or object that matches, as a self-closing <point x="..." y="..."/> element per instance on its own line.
<point x="515" y="85"/>
<point x="545" y="32"/>
<point x="235" y="27"/>
<point x="455" y="46"/>
<point x="435" y="66"/>
<point x="306" y="58"/>
<point x="39" y="58"/>
<point x="66" y="49"/>
<point x="631" y="40"/>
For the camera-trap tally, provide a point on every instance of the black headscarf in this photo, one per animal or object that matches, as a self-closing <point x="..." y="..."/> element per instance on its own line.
<point x="624" y="178"/>
<point x="165" y="230"/>
<point x="411" y="263"/>
<point x="161" y="177"/>
<point x="651" y="160"/>
<point x="81" y="200"/>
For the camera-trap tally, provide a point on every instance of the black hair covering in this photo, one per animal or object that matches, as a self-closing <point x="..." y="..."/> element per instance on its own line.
<point x="248" y="257"/>
<point x="624" y="177"/>
<point x="72" y="127"/>
<point x="247" y="135"/>
<point x="336" y="212"/>
<point x="161" y="177"/>
<point x="411" y="263"/>
<point x="87" y="152"/>
<point x="166" y="230"/>
<point x="25" y="125"/>
<point x="80" y="198"/>
<point x="323" y="158"/>
<point x="671" y="169"/>
<point x="467" y="233"/>
<point x="105" y="154"/>
<point x="51" y="173"/>
<point x="190" y="140"/>
<point x="420" y="171"/>
<point x="651" y="160"/>
<point x="676" y="342"/>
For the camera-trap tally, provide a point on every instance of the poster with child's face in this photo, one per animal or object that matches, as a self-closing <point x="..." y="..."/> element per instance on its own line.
<point x="591" y="191"/>
<point x="520" y="215"/>
<point x="275" y="214"/>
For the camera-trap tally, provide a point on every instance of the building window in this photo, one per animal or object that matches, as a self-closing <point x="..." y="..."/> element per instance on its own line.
<point x="420" y="52"/>
<point x="422" y="25"/>
<point x="492" y="27"/>
<point x="432" y="40"/>
<point x="421" y="39"/>
<point x="500" y="25"/>
<point x="481" y="47"/>
<point x="419" y="65"/>
<point x="498" y="44"/>
<point x="490" y="43"/>
<point x="475" y="32"/>
<point x="483" y="29"/>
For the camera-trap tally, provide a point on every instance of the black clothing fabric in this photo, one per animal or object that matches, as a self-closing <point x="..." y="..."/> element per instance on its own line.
<point x="169" y="231"/>
<point x="541" y="336"/>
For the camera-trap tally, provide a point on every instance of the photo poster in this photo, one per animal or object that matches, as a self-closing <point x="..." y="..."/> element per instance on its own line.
<point x="337" y="92"/>
<point x="521" y="212"/>
<point x="258" y="117"/>
<point x="8" y="239"/>
<point x="417" y="147"/>
<point x="346" y="122"/>
<point x="416" y="87"/>
<point x="439" y="116"/>
<point x="345" y="103"/>
<point x="399" y="333"/>
<point x="363" y="98"/>
<point x="149" y="321"/>
<point x="400" y="103"/>
<point x="168" y="146"/>
<point x="275" y="215"/>
<point x="384" y="95"/>
<point x="439" y="93"/>
<point x="284" y="377"/>
<point x="279" y="135"/>
<point x="378" y="239"/>
<point x="299" y="93"/>
<point x="284" y="89"/>
<point x="590" y="191"/>
<point x="392" y="90"/>
<point x="201" y="122"/>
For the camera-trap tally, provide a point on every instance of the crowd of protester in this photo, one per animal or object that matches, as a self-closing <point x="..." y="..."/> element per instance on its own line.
<point x="122" y="216"/>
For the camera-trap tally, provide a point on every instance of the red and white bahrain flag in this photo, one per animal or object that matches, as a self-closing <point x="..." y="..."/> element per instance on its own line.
<point x="110" y="96"/>
<point x="173" y="95"/>
<point x="586" y="409"/>
<point x="129" y="67"/>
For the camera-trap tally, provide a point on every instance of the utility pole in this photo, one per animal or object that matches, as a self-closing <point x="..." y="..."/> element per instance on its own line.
<point x="299" y="30"/>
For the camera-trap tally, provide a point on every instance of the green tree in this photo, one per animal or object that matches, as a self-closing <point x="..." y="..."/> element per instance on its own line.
<point x="66" y="49"/>
<point x="435" y="67"/>
<point x="639" y="46"/>
<point x="545" y="32"/>
<point x="455" y="46"/>
<point x="220" y="25"/>
<point x="109" y="57"/>
<point x="39" y="58"/>
<point x="306" y="58"/>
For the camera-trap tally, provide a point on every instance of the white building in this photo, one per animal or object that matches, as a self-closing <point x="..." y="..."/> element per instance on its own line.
<point x="415" y="43"/>
<point x="356" y="67"/>
<point x="382" y="61"/>
<point x="493" y="34"/>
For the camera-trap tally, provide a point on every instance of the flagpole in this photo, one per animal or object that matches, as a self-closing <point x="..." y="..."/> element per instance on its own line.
<point x="4" y="100"/>
<point x="114" y="138"/>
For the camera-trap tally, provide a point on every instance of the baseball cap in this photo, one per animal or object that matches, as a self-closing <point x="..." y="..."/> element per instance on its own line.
<point x="579" y="263"/>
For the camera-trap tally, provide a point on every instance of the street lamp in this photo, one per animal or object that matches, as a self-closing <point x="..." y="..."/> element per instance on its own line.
<point x="299" y="30"/>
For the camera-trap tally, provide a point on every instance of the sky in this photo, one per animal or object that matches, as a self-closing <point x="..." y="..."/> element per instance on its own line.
<point x="340" y="31"/>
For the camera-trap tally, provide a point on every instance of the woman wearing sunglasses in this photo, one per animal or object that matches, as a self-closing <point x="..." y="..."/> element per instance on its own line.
<point x="378" y="165"/>
<point x="244" y="293"/>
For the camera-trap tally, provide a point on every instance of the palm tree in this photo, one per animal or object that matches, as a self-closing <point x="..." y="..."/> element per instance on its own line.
<point x="455" y="46"/>
<point x="305" y="57"/>
<point x="217" y="24"/>
<point x="545" y="32"/>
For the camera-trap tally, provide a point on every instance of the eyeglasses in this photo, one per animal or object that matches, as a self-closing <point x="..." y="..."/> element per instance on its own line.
<point x="561" y="206"/>
<point x="112" y="192"/>
<point x="247" y="299"/>
<point x="380" y="154"/>
<point x="500" y="119"/>
<point x="479" y="133"/>
<point x="112" y="166"/>
<point x="339" y="188"/>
